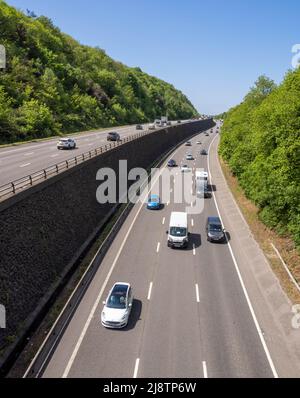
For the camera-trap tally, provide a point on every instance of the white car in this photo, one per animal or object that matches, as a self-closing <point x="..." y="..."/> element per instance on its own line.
<point x="117" y="307"/>
<point x="185" y="168"/>
<point x="189" y="157"/>
<point x="152" y="126"/>
<point x="66" y="143"/>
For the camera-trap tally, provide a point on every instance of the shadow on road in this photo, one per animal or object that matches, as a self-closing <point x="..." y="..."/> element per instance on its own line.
<point x="194" y="241"/>
<point x="135" y="315"/>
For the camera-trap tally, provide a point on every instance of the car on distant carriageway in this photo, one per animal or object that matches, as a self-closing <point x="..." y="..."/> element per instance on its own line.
<point x="139" y="127"/>
<point x="113" y="136"/>
<point x="66" y="143"/>
<point x="152" y="126"/>
<point x="154" y="202"/>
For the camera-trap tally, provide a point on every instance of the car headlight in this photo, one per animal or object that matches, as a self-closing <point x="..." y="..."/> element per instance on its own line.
<point x="103" y="315"/>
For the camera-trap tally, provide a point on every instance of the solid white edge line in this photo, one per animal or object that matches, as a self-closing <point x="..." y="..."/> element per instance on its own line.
<point x="92" y="313"/>
<point x="205" y="374"/>
<point x="150" y="291"/>
<point x="286" y="267"/>
<point x="259" y="331"/>
<point x="136" y="368"/>
<point x="197" y="293"/>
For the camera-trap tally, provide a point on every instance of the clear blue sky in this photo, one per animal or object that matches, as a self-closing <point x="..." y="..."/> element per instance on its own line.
<point x="212" y="50"/>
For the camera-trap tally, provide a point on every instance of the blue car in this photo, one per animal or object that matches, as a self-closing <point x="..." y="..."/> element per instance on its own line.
<point x="153" y="202"/>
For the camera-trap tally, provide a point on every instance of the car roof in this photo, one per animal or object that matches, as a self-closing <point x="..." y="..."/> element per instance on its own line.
<point x="120" y="287"/>
<point x="214" y="220"/>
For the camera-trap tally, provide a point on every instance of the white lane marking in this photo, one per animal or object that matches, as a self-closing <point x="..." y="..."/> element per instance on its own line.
<point x="158" y="247"/>
<point x="192" y="191"/>
<point x="259" y="331"/>
<point x="197" y="293"/>
<point x="192" y="204"/>
<point x="54" y="156"/>
<point x="194" y="249"/>
<point x="168" y="203"/>
<point x="25" y="165"/>
<point x="286" y="267"/>
<point x="150" y="291"/>
<point x="163" y="221"/>
<point x="192" y="222"/>
<point x="136" y="368"/>
<point x="204" y="370"/>
<point x="96" y="304"/>
<point x="29" y="154"/>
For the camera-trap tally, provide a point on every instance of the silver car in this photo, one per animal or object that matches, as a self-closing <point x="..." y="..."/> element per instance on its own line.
<point x="117" y="307"/>
<point x="66" y="143"/>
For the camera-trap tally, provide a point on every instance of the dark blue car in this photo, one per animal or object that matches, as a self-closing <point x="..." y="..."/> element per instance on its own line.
<point x="153" y="202"/>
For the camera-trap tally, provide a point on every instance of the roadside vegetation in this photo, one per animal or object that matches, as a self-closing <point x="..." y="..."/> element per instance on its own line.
<point x="52" y="84"/>
<point x="260" y="142"/>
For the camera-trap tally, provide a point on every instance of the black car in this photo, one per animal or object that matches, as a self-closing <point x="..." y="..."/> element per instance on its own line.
<point x="203" y="152"/>
<point x="139" y="127"/>
<point x="172" y="163"/>
<point x="113" y="136"/>
<point x="214" y="230"/>
<point x="178" y="121"/>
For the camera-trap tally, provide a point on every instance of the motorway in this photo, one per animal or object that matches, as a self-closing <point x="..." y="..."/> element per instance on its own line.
<point x="190" y="318"/>
<point x="21" y="160"/>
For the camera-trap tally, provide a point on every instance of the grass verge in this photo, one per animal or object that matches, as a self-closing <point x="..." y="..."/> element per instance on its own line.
<point x="265" y="236"/>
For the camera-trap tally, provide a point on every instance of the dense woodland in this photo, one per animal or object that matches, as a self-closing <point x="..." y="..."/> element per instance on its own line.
<point x="261" y="143"/>
<point x="52" y="84"/>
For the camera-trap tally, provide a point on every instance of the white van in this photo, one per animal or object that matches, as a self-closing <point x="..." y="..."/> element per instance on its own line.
<point x="202" y="184"/>
<point x="178" y="234"/>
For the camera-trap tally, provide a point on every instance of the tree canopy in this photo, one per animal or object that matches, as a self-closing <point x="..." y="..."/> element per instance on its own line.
<point x="261" y="143"/>
<point x="52" y="84"/>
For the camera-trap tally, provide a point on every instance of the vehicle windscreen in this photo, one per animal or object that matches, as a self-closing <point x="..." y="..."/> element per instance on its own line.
<point x="178" y="232"/>
<point x="215" y="227"/>
<point x="153" y="200"/>
<point x="117" y="300"/>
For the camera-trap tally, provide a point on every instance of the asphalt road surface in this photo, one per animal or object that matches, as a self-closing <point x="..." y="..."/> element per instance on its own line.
<point x="190" y="317"/>
<point x="22" y="160"/>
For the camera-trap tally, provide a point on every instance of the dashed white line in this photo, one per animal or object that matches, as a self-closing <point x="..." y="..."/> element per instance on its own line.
<point x="150" y="291"/>
<point x="197" y="293"/>
<point x="192" y="222"/>
<point x="29" y="154"/>
<point x="54" y="156"/>
<point x="25" y="165"/>
<point x="204" y="370"/>
<point x="136" y="368"/>
<point x="194" y="249"/>
<point x="158" y="247"/>
<point x="163" y="221"/>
